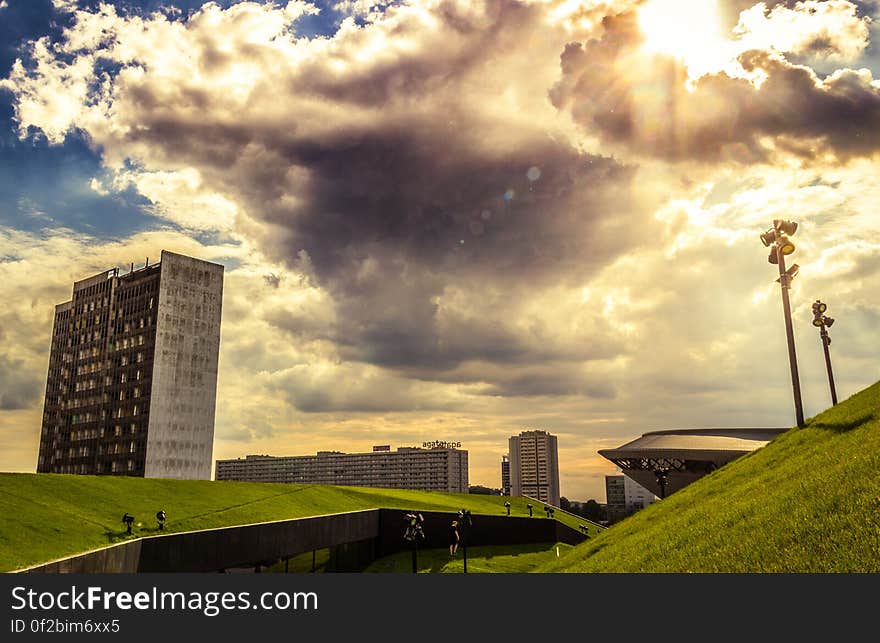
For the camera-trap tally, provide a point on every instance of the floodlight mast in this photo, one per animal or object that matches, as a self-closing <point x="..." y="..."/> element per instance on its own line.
<point x="781" y="247"/>
<point x="823" y="322"/>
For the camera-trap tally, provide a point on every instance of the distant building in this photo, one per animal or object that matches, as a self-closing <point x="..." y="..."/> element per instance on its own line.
<point x="624" y="496"/>
<point x="132" y="379"/>
<point x="534" y="466"/>
<point x="435" y="469"/>
<point x="505" y="475"/>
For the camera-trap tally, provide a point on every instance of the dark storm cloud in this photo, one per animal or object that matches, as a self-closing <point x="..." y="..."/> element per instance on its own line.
<point x="609" y="90"/>
<point x="19" y="387"/>
<point x="425" y="194"/>
<point x="391" y="219"/>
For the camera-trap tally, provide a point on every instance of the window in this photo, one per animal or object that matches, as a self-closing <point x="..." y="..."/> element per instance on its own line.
<point x="122" y="380"/>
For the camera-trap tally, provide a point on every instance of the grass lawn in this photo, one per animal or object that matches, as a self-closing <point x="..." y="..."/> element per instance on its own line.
<point x="492" y="559"/>
<point x="807" y="502"/>
<point x="49" y="516"/>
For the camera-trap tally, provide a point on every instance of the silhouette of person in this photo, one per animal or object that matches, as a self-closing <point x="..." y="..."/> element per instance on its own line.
<point x="453" y="538"/>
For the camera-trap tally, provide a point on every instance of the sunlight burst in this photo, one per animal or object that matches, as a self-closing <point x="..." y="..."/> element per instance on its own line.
<point x="687" y="30"/>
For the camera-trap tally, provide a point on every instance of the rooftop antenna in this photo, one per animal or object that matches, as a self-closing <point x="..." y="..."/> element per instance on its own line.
<point x="147" y="265"/>
<point x="132" y="267"/>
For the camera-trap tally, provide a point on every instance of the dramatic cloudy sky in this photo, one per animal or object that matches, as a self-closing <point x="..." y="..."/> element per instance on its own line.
<point x="454" y="219"/>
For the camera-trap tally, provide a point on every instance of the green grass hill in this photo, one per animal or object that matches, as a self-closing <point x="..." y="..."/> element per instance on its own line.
<point x="48" y="516"/>
<point x="807" y="502"/>
<point x="490" y="559"/>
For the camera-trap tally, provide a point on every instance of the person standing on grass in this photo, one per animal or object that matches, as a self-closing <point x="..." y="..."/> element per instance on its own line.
<point x="453" y="538"/>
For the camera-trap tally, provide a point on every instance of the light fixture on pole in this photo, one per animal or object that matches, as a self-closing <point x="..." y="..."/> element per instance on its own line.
<point x="662" y="475"/>
<point x="465" y="522"/>
<point x="777" y="239"/>
<point x="823" y="323"/>
<point x="414" y="533"/>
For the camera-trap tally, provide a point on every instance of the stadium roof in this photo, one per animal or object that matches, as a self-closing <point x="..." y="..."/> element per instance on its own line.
<point x="684" y="455"/>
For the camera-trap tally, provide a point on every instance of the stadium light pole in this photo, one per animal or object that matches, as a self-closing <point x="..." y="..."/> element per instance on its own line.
<point x="823" y="323"/>
<point x="776" y="238"/>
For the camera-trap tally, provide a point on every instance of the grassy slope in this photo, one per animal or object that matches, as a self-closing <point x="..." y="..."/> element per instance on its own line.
<point x="49" y="516"/>
<point x="807" y="502"/>
<point x="498" y="559"/>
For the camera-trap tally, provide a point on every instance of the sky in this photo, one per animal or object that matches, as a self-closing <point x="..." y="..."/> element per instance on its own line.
<point x="454" y="219"/>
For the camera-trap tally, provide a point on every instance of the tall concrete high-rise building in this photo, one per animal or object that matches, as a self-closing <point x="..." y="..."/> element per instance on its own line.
<point x="534" y="466"/>
<point x="505" y="475"/>
<point x="132" y="381"/>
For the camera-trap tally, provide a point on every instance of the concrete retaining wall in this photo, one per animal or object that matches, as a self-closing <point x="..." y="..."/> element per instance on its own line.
<point x="486" y="530"/>
<point x="355" y="538"/>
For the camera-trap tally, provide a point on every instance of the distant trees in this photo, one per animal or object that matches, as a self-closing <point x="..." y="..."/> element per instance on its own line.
<point x="484" y="491"/>
<point x="591" y="510"/>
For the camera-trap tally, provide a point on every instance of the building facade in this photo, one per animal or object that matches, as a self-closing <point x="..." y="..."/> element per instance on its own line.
<point x="624" y="496"/>
<point x="534" y="466"/>
<point x="132" y="381"/>
<point x="505" y="475"/>
<point x="436" y="469"/>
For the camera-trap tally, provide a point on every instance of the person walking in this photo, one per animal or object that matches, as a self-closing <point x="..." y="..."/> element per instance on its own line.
<point x="453" y="538"/>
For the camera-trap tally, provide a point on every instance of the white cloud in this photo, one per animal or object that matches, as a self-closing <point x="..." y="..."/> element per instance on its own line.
<point x="828" y="29"/>
<point x="65" y="6"/>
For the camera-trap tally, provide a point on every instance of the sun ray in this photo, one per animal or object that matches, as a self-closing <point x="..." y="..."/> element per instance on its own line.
<point x="688" y="30"/>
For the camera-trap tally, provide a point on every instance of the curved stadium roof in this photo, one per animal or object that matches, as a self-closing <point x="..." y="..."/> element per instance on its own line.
<point x="684" y="454"/>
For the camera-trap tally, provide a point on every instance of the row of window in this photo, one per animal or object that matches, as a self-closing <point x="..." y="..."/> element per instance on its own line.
<point x="127" y="342"/>
<point x="89" y="306"/>
<point x="85" y="451"/>
<point x="117" y="431"/>
<point x="120" y="412"/>
<point x="126" y="292"/>
<point x="133" y="325"/>
<point x="117" y="466"/>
